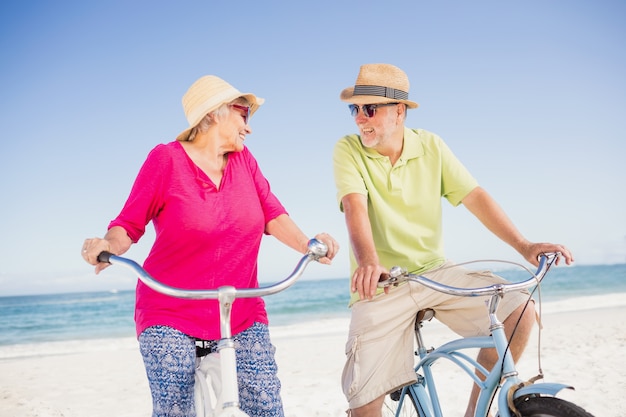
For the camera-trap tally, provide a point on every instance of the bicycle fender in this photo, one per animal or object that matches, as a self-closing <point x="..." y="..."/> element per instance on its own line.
<point x="207" y="387"/>
<point x="543" y="388"/>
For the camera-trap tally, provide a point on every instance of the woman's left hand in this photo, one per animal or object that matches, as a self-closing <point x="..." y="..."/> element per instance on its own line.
<point x="331" y="243"/>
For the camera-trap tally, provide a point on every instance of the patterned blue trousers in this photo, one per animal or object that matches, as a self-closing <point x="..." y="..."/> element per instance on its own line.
<point x="170" y="359"/>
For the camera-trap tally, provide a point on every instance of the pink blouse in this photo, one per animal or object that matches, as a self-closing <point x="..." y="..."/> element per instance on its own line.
<point x="205" y="237"/>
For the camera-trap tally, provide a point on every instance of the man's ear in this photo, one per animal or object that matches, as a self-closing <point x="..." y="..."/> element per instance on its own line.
<point x="401" y="111"/>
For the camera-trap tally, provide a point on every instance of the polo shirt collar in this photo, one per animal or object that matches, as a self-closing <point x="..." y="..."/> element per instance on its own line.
<point x="413" y="147"/>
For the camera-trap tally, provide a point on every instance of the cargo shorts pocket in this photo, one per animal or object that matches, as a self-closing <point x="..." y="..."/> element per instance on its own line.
<point x="351" y="371"/>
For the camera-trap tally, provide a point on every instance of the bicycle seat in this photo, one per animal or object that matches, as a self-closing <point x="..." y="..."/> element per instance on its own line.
<point x="424" y="315"/>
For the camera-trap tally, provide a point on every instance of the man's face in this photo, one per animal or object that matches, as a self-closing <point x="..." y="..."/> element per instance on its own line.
<point x="382" y="122"/>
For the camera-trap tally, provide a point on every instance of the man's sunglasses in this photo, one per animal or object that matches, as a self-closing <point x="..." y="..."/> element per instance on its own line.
<point x="245" y="111"/>
<point x="368" y="110"/>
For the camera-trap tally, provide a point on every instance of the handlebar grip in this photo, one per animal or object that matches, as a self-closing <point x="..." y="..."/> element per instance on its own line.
<point x="104" y="257"/>
<point x="317" y="248"/>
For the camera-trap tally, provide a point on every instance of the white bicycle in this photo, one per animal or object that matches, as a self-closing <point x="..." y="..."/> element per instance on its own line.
<point x="216" y="389"/>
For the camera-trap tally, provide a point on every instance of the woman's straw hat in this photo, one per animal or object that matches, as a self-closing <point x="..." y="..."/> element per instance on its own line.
<point x="206" y="95"/>
<point x="379" y="83"/>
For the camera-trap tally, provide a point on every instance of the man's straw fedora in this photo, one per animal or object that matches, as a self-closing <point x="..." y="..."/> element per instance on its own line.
<point x="379" y="83"/>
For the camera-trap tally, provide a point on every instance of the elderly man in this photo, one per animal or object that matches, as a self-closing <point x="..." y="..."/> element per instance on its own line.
<point x="391" y="181"/>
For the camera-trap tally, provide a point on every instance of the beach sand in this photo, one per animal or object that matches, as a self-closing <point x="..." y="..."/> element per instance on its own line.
<point x="586" y="349"/>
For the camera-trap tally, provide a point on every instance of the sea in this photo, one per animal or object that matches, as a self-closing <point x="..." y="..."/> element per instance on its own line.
<point x="88" y="317"/>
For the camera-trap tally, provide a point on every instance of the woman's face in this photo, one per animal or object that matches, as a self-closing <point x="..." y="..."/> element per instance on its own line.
<point x="234" y="126"/>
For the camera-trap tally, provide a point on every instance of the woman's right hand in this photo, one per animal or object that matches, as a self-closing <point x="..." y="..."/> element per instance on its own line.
<point x="115" y="241"/>
<point x="92" y="247"/>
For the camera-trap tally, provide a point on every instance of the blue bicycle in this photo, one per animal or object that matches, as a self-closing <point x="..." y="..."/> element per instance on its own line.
<point x="502" y="391"/>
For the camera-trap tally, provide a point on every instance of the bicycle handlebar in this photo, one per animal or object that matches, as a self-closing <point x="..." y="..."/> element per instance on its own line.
<point x="398" y="275"/>
<point x="316" y="250"/>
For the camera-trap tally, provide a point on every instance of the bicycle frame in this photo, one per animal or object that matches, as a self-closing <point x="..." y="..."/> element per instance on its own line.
<point x="426" y="390"/>
<point x="226" y="295"/>
<point x="502" y="376"/>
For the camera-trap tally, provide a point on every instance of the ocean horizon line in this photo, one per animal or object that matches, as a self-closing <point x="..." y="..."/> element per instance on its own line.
<point x="97" y="314"/>
<point x="312" y="325"/>
<point x="129" y="284"/>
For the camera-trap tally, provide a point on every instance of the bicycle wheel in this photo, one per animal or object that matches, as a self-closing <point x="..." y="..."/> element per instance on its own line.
<point x="535" y="406"/>
<point x="402" y="403"/>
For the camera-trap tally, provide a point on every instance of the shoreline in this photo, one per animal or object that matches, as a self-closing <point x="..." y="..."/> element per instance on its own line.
<point x="585" y="348"/>
<point x="304" y="327"/>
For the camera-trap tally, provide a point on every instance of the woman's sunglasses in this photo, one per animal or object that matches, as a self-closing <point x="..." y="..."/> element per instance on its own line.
<point x="245" y="111"/>
<point x="369" y="110"/>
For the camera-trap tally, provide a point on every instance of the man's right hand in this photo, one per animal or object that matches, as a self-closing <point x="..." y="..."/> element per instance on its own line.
<point x="365" y="280"/>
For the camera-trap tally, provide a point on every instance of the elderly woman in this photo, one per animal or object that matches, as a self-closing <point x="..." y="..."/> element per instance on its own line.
<point x="210" y="206"/>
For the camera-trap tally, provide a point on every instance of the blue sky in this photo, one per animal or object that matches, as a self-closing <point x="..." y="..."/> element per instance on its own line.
<point x="530" y="95"/>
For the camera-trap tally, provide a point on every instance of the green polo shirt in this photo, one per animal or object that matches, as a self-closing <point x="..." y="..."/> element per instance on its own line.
<point x="404" y="200"/>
